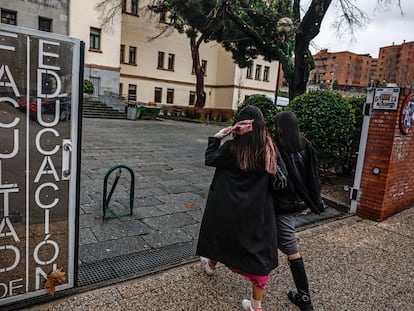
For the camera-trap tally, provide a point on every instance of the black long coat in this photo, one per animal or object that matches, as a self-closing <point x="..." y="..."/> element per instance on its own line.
<point x="238" y="227"/>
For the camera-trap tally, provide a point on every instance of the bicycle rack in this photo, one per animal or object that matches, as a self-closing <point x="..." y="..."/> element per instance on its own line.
<point x="107" y="198"/>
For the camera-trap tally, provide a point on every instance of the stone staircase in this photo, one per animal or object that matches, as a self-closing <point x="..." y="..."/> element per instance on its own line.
<point x="96" y="109"/>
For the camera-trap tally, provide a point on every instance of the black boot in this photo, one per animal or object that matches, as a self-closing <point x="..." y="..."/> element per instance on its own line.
<point x="301" y="298"/>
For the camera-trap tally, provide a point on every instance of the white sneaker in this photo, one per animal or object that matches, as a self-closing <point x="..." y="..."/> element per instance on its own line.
<point x="248" y="306"/>
<point x="206" y="265"/>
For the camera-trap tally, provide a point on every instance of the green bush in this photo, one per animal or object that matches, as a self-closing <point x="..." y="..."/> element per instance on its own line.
<point x="266" y="105"/>
<point x="329" y="122"/>
<point x="87" y="87"/>
<point x="357" y="104"/>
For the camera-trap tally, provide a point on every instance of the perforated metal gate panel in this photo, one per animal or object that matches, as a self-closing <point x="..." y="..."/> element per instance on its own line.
<point x="132" y="265"/>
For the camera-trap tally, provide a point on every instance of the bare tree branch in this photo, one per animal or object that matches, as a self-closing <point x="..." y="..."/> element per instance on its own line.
<point x="109" y="9"/>
<point x="351" y="17"/>
<point x="387" y="3"/>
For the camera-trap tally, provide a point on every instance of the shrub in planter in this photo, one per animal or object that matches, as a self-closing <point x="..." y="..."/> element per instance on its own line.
<point x="357" y="104"/>
<point x="328" y="121"/>
<point x="217" y="115"/>
<point x="192" y="112"/>
<point x="87" y="87"/>
<point x="266" y="105"/>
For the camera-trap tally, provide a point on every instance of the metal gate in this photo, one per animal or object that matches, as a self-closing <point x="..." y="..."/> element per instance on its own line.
<point x="39" y="102"/>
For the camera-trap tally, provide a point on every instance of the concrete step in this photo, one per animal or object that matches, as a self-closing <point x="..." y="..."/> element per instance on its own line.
<point x="95" y="109"/>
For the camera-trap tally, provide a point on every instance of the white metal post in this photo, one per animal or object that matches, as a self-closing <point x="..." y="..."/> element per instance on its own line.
<point x="354" y="195"/>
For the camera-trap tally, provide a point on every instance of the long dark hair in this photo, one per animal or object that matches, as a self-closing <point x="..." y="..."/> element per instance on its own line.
<point x="249" y="149"/>
<point x="287" y="134"/>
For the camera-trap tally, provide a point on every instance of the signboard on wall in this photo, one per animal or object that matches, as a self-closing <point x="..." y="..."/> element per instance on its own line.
<point x="39" y="86"/>
<point x="386" y="98"/>
<point x="407" y="115"/>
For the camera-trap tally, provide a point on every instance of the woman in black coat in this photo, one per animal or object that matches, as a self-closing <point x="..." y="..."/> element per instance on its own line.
<point x="238" y="227"/>
<point x="302" y="192"/>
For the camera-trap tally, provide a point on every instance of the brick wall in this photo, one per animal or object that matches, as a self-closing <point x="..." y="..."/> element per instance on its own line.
<point x="392" y="152"/>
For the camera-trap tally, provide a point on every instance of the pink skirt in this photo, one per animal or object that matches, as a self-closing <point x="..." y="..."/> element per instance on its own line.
<point x="258" y="280"/>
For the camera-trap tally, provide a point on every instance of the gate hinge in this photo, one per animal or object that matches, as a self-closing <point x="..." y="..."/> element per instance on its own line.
<point x="354" y="194"/>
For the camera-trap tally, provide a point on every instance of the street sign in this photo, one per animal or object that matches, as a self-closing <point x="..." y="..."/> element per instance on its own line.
<point x="386" y="98"/>
<point x="39" y="87"/>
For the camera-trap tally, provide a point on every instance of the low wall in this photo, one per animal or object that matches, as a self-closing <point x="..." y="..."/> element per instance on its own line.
<point x="389" y="150"/>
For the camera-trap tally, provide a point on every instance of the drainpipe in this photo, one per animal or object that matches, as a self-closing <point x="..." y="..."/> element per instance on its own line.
<point x="355" y="193"/>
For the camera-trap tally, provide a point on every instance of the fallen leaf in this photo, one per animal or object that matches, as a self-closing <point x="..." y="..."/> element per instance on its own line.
<point x="190" y="205"/>
<point x="55" y="278"/>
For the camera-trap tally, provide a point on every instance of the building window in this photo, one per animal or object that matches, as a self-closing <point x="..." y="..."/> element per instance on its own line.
<point x="134" y="7"/>
<point x="204" y="66"/>
<point x="45" y="24"/>
<point x="163" y="17"/>
<point x="266" y="73"/>
<point x="191" y="99"/>
<point x="132" y="92"/>
<point x="170" y="96"/>
<point x="8" y="17"/>
<point x="121" y="89"/>
<point x="122" y="54"/>
<point x="249" y="72"/>
<point x="168" y="17"/>
<point x="258" y="72"/>
<point x="123" y="6"/>
<point x="95" y="38"/>
<point x="160" y="60"/>
<point x="132" y="55"/>
<point x="158" y="94"/>
<point x="173" y="17"/>
<point x="171" y="58"/>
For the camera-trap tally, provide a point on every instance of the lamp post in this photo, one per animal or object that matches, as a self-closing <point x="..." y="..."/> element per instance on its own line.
<point x="284" y="26"/>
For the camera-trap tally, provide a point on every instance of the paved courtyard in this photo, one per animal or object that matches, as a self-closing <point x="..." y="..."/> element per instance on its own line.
<point x="171" y="185"/>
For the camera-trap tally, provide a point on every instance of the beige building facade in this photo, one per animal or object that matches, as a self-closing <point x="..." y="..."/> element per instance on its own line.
<point x="158" y="68"/>
<point x="102" y="66"/>
<point x="45" y="15"/>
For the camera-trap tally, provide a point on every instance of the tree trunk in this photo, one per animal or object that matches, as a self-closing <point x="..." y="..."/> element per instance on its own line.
<point x="198" y="71"/>
<point x="307" y="30"/>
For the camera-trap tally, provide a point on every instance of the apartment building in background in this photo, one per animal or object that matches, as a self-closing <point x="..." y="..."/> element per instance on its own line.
<point x="342" y="70"/>
<point x="396" y="65"/>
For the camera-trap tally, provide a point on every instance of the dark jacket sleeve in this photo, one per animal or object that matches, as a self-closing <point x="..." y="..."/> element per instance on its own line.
<point x="216" y="155"/>
<point x="313" y="182"/>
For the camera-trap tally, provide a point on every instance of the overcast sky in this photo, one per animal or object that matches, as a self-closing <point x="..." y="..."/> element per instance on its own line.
<point x="386" y="26"/>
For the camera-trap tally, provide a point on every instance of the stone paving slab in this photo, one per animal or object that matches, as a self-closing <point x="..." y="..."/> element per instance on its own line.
<point x="171" y="183"/>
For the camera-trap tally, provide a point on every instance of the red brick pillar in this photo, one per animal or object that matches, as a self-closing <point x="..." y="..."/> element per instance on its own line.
<point x="392" y="152"/>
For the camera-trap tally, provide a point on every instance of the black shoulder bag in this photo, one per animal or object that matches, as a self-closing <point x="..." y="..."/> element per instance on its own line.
<point x="301" y="187"/>
<point x="280" y="178"/>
